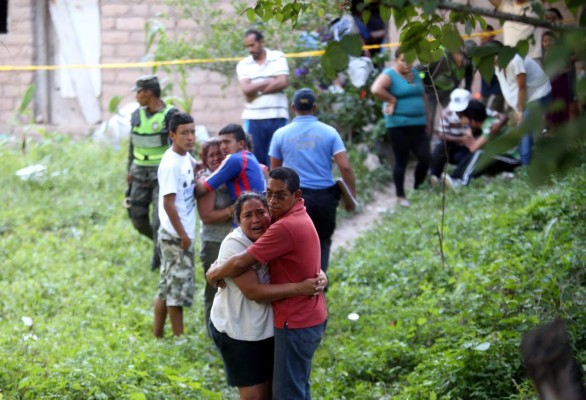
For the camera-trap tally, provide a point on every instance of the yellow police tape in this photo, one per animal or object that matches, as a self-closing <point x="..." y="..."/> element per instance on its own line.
<point x="313" y="53"/>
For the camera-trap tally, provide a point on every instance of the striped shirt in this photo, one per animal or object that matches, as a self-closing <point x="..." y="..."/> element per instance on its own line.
<point x="240" y="172"/>
<point x="270" y="105"/>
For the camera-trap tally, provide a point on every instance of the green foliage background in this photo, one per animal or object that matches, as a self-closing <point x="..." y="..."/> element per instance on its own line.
<point x="514" y="257"/>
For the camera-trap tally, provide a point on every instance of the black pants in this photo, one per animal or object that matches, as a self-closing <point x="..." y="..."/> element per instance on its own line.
<point x="468" y="169"/>
<point x="321" y="205"/>
<point x="406" y="139"/>
<point x="447" y="152"/>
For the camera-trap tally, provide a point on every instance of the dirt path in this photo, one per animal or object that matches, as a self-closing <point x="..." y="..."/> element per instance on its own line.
<point x="349" y="229"/>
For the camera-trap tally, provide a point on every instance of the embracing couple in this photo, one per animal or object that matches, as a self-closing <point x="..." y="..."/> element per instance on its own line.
<point x="262" y="361"/>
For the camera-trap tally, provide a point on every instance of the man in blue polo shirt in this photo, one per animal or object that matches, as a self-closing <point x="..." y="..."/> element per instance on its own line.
<point x="240" y="170"/>
<point x="307" y="146"/>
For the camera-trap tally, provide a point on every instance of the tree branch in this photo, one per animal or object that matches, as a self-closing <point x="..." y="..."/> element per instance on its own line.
<point x="464" y="8"/>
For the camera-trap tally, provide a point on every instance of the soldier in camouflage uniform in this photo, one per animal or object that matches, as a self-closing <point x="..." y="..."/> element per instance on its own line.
<point x="149" y="140"/>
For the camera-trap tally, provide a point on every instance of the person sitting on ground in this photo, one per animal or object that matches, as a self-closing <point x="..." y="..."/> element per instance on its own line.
<point x="476" y="115"/>
<point x="455" y="135"/>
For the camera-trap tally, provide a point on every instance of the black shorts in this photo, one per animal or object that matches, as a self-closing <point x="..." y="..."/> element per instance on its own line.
<point x="246" y="363"/>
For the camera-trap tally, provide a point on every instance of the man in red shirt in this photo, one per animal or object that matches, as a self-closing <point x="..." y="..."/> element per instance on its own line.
<point x="291" y="247"/>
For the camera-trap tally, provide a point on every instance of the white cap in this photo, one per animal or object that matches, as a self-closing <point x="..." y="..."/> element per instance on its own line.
<point x="459" y="99"/>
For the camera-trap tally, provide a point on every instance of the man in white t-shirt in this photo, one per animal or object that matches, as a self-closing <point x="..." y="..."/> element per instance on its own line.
<point x="177" y="229"/>
<point x="263" y="77"/>
<point x="523" y="82"/>
<point x="513" y="32"/>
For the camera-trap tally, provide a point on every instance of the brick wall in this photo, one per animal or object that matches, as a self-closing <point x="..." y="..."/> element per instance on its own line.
<point x="15" y="49"/>
<point x="123" y="41"/>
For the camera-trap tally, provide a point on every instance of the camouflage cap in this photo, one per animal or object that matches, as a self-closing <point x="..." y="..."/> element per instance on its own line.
<point x="149" y="82"/>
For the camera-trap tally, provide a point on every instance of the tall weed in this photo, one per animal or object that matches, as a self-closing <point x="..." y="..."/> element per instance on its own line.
<point x="76" y="291"/>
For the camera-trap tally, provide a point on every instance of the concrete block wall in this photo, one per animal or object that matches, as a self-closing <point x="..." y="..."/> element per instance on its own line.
<point x="123" y="41"/>
<point x="15" y="49"/>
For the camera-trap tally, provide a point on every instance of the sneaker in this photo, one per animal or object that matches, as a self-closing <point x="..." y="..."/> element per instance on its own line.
<point x="434" y="180"/>
<point x="507" y="175"/>
<point x="450" y="185"/>
<point x="404" y="202"/>
<point x="181" y="340"/>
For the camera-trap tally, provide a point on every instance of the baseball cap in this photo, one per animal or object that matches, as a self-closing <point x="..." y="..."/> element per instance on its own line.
<point x="304" y="99"/>
<point x="459" y="99"/>
<point x="146" y="82"/>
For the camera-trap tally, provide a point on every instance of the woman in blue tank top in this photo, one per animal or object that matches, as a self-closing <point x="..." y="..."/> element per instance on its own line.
<point x="406" y="120"/>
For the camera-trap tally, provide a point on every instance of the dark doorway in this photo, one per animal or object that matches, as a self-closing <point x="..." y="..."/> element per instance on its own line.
<point x="3" y="16"/>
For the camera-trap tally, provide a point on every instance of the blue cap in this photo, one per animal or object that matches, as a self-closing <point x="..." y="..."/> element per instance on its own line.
<point x="304" y="99"/>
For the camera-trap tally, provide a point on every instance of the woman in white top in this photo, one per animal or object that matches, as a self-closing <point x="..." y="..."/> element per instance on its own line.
<point x="241" y="321"/>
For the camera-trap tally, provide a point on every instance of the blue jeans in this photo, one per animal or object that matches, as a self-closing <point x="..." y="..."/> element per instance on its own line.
<point x="262" y="131"/>
<point x="294" y="349"/>
<point x="526" y="146"/>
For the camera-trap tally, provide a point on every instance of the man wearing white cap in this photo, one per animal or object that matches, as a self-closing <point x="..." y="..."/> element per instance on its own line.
<point x="455" y="134"/>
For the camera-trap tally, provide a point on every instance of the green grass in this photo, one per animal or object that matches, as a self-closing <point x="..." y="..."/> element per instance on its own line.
<point x="70" y="260"/>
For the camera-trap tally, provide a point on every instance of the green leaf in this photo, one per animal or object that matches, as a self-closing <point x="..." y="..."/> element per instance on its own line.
<point x="424" y="52"/>
<point x="352" y="45"/>
<point x="137" y="396"/>
<point x="366" y="16"/>
<point x="437" y="54"/>
<point x="396" y="4"/>
<point x="27" y="98"/>
<point x="267" y="15"/>
<point x="435" y="31"/>
<point x="522" y="47"/>
<point x="385" y="12"/>
<point x="251" y="14"/>
<point x="194" y="385"/>
<point x="430" y="6"/>
<point x="506" y="54"/>
<point x="335" y="59"/>
<point x="486" y="68"/>
<point x="451" y="38"/>
<point x="421" y="321"/>
<point x="114" y="103"/>
<point x="76" y="386"/>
